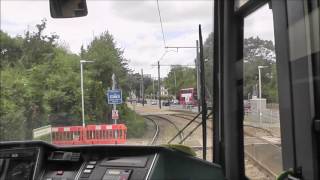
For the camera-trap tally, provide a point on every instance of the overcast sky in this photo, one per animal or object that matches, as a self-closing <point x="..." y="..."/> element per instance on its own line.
<point x="135" y="26"/>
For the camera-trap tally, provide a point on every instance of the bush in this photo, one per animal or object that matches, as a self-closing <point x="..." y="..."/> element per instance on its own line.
<point x="135" y="123"/>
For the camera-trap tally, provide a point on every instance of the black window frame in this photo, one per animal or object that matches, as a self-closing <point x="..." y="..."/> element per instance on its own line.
<point x="297" y="115"/>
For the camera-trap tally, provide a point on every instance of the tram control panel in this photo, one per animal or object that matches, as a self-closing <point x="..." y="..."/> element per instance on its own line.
<point x="42" y="161"/>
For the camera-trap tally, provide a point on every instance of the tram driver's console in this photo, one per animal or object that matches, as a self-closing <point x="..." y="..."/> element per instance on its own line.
<point x="42" y="161"/>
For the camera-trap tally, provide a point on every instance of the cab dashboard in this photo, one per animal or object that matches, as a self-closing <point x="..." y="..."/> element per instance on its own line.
<point x="36" y="160"/>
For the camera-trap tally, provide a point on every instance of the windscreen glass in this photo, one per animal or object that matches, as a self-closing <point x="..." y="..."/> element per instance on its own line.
<point x="262" y="138"/>
<point x="111" y="77"/>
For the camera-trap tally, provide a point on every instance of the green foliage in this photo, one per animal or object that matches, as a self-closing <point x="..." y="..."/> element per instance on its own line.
<point x="180" y="77"/>
<point x="256" y="52"/>
<point x="40" y="83"/>
<point x="23" y="85"/>
<point x="108" y="60"/>
<point x="10" y="50"/>
<point x="134" y="84"/>
<point x="135" y="123"/>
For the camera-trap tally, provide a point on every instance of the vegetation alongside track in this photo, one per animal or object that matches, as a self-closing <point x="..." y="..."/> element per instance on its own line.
<point x="40" y="83"/>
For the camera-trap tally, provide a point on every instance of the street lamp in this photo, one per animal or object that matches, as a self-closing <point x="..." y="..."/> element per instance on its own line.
<point x="82" y="98"/>
<point x="260" y="91"/>
<point x="259" y="69"/>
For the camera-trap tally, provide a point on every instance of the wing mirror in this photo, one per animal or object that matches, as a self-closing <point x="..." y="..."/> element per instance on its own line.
<point x="68" y="8"/>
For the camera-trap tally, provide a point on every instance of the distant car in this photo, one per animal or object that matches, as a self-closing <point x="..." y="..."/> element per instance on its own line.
<point x="175" y="102"/>
<point x="140" y="101"/>
<point x="165" y="103"/>
<point x="247" y="106"/>
<point x="153" y="102"/>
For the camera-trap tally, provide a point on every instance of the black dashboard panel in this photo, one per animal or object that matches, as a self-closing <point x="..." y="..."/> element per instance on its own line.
<point x="19" y="163"/>
<point x="36" y="160"/>
<point x="42" y="161"/>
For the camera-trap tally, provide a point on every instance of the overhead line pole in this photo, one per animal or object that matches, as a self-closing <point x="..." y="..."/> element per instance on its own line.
<point x="114" y="86"/>
<point x="153" y="93"/>
<point x="198" y="75"/>
<point x="203" y="100"/>
<point x="175" y="82"/>
<point x="142" y="87"/>
<point x="159" y="89"/>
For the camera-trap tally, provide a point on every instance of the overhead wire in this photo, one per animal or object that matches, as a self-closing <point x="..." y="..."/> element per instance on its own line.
<point x="163" y="36"/>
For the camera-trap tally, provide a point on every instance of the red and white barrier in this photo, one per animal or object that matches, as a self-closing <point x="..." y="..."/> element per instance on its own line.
<point x="91" y="134"/>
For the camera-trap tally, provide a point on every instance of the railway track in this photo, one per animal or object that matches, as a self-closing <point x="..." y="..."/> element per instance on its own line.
<point x="186" y="116"/>
<point x="155" y="120"/>
<point x="268" y="172"/>
<point x="156" y="134"/>
<point x="245" y="132"/>
<point x="265" y="169"/>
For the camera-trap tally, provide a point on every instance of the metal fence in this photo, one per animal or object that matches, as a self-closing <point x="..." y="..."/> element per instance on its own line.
<point x="268" y="118"/>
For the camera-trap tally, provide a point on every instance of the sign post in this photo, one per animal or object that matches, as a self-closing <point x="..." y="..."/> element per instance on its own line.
<point x="114" y="96"/>
<point x="115" y="114"/>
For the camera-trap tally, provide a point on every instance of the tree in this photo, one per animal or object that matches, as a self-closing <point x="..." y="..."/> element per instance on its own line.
<point x="180" y="77"/>
<point x="10" y="50"/>
<point x="256" y="52"/>
<point x="40" y="83"/>
<point x="108" y="60"/>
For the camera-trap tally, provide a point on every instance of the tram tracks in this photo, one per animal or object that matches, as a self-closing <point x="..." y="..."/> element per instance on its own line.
<point x="184" y="116"/>
<point x="155" y="119"/>
<point x="268" y="168"/>
<point x="265" y="168"/>
<point x="156" y="134"/>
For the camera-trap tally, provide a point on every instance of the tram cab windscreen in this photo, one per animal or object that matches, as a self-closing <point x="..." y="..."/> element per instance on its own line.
<point x="67" y="74"/>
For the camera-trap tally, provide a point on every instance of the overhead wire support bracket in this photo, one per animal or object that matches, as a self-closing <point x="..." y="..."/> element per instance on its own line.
<point x="195" y="128"/>
<point x="180" y="47"/>
<point x="192" y="65"/>
<point x="181" y="131"/>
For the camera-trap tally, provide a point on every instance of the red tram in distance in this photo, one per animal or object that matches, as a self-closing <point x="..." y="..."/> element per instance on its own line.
<point x="91" y="134"/>
<point x="188" y="96"/>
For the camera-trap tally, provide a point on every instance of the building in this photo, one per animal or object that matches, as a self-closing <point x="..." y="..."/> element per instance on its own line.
<point x="163" y="91"/>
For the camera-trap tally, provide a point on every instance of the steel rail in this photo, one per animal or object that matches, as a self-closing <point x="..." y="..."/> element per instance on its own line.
<point x="156" y="134"/>
<point x="267" y="171"/>
<point x="187" y="125"/>
<point x="175" y="126"/>
<point x="151" y="117"/>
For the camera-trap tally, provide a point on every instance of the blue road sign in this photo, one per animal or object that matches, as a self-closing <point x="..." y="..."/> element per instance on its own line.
<point x="114" y="96"/>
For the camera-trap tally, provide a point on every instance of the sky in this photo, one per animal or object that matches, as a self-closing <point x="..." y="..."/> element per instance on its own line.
<point x="135" y="26"/>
